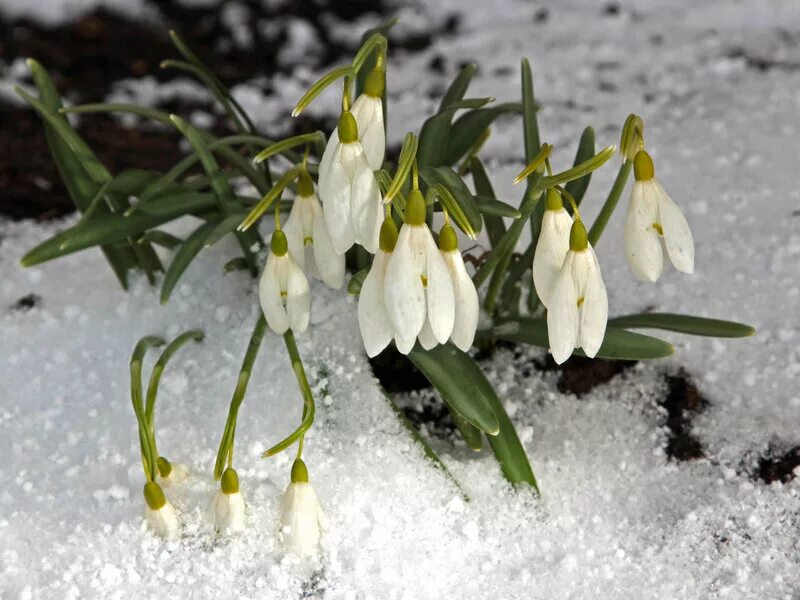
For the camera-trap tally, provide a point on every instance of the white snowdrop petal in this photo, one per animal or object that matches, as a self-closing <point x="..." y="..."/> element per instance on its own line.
<point x="298" y="299"/>
<point x="467" y="308"/>
<point x="426" y="338"/>
<point x="300" y="518"/>
<point x="594" y="310"/>
<point x="371" y="131"/>
<point x="440" y="296"/>
<point x="551" y="248"/>
<point x="562" y="316"/>
<point x="330" y="264"/>
<point x="404" y="345"/>
<point x="335" y="193"/>
<point x="164" y="521"/>
<point x="677" y="235"/>
<point x="366" y="207"/>
<point x="327" y="157"/>
<point x="403" y="294"/>
<point x="373" y="320"/>
<point x="642" y="244"/>
<point x="228" y="512"/>
<point x="269" y="294"/>
<point x="293" y="229"/>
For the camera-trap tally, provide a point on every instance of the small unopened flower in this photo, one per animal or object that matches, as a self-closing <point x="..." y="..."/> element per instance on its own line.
<point x="308" y="238"/>
<point x="170" y="473"/>
<point x="368" y="112"/>
<point x="349" y="190"/>
<point x="653" y="221"/>
<point x="228" y="505"/>
<point x="373" y="319"/>
<point x="464" y="292"/>
<point x="301" y="515"/>
<point x="418" y="290"/>
<point x="283" y="289"/>
<point x="160" y="514"/>
<point x="578" y="311"/>
<point x="552" y="247"/>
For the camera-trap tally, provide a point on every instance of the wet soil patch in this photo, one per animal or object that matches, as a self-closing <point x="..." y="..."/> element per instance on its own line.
<point x="580" y="375"/>
<point x="27" y="302"/>
<point x="778" y="466"/>
<point x="682" y="403"/>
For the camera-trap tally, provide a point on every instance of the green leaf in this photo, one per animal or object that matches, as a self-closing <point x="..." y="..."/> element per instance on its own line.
<point x="577" y="187"/>
<point x="185" y="254"/>
<point x="356" y="281"/>
<point x="449" y="178"/>
<point x="530" y="123"/>
<point x="469" y="433"/>
<point x="495" y="228"/>
<point x="436" y="130"/>
<point x="684" y="324"/>
<point x="237" y="263"/>
<point x="458" y="87"/>
<point x="469" y="127"/>
<point x="617" y="344"/>
<point x="224" y="227"/>
<point x="490" y="206"/>
<point x="460" y="382"/>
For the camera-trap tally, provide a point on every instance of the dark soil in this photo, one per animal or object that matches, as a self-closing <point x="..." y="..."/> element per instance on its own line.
<point x="779" y="468"/>
<point x="682" y="403"/>
<point x="27" y="302"/>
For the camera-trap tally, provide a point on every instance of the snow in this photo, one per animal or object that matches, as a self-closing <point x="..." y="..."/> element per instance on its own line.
<point x="617" y="518"/>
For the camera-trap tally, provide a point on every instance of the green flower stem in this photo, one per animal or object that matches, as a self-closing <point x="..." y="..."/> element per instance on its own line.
<point x="146" y="443"/>
<point x="225" y="452"/>
<point x="308" y="398"/>
<point x="602" y="219"/>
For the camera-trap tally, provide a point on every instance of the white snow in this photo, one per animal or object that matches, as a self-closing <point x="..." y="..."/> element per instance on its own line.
<point x="617" y="519"/>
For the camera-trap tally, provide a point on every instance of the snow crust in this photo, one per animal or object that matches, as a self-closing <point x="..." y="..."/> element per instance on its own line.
<point x="617" y="519"/>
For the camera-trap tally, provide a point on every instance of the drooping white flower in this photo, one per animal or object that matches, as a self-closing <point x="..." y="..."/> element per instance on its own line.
<point x="552" y="247"/>
<point x="465" y="295"/>
<point x="159" y="513"/>
<point x="368" y="112"/>
<point x="578" y="311"/>
<point x="170" y="473"/>
<point x="283" y="289"/>
<point x="308" y="238"/>
<point x="349" y="190"/>
<point x="373" y="319"/>
<point x="227" y="508"/>
<point x="301" y="514"/>
<point x="418" y="291"/>
<point x="653" y="221"/>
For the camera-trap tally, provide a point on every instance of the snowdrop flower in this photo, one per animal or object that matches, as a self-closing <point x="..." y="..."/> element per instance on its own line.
<point x="654" y="220"/>
<point x="160" y="514"/>
<point x="228" y="505"/>
<point x="368" y="113"/>
<point x="170" y="474"/>
<point x="418" y="291"/>
<point x="283" y="289"/>
<point x="552" y="247"/>
<point x="349" y="190"/>
<point x="464" y="292"/>
<point x="301" y="514"/>
<point x="578" y="311"/>
<point x="307" y="234"/>
<point x="373" y="319"/>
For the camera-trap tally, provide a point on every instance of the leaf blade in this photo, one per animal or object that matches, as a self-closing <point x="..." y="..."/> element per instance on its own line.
<point x="687" y="324"/>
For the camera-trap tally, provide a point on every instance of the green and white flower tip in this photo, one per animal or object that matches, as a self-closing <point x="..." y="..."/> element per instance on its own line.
<point x="308" y="238"/>
<point x="170" y="474"/>
<point x="578" y="311"/>
<point x="368" y="113"/>
<point x="283" y="289"/>
<point x="552" y="247"/>
<point x="349" y="190"/>
<point x="655" y="222"/>
<point x="418" y="294"/>
<point x="159" y="512"/>
<point x="632" y="139"/>
<point x="467" y="307"/>
<point x="376" y="327"/>
<point x="227" y="507"/>
<point x="302" y="518"/>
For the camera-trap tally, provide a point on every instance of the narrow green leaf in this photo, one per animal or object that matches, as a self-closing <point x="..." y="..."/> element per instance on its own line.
<point x="316" y="89"/>
<point x="586" y="167"/>
<point x="495" y="228"/>
<point x="471" y="435"/>
<point x="224" y="227"/>
<point x="468" y="128"/>
<point x="356" y="281"/>
<point x="185" y="254"/>
<point x="408" y="153"/>
<point x="436" y="130"/>
<point x="618" y="343"/>
<point x="162" y="238"/>
<point x="460" y="382"/>
<point x="449" y="178"/>
<point x="317" y="139"/>
<point x="684" y="324"/>
<point x="530" y="123"/>
<point x="458" y="87"/>
<point x="490" y="206"/>
<point x="577" y="187"/>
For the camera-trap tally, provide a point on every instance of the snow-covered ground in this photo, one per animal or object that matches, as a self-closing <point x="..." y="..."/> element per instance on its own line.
<point x="617" y="519"/>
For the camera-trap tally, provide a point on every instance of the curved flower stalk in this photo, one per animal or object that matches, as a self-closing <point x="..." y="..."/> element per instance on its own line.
<point x="552" y="246"/>
<point x="227" y="507"/>
<point x="349" y="190"/>
<point x="283" y="289"/>
<point x="419" y="292"/>
<point x="654" y="220"/>
<point x="578" y="311"/>
<point x="373" y="319"/>
<point x="308" y="238"/>
<point x="368" y="113"/>
<point x="170" y="474"/>
<point x="159" y="513"/>
<point x="302" y="518"/>
<point x="465" y="295"/>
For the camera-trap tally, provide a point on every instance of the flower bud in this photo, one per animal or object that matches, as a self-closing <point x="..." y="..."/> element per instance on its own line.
<point x="348" y="129"/>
